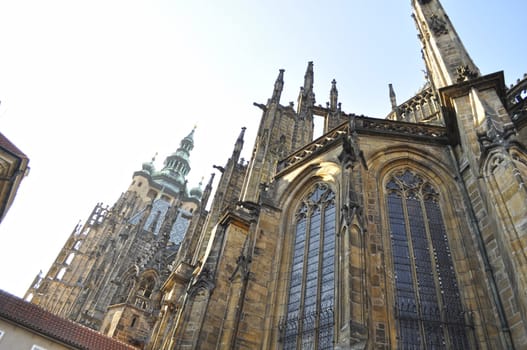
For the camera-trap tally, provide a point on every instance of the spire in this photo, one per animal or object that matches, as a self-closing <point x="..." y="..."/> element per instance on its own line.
<point x="396" y="114"/>
<point x="238" y="146"/>
<point x="177" y="165"/>
<point x="306" y="98"/>
<point x="393" y="99"/>
<point x="206" y="193"/>
<point x="308" y="77"/>
<point x="333" y="95"/>
<point x="278" y="87"/>
<point x="447" y="60"/>
<point x="190" y="138"/>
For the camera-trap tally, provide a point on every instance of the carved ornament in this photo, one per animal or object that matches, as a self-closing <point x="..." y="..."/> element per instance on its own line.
<point x="464" y="73"/>
<point x="438" y="25"/>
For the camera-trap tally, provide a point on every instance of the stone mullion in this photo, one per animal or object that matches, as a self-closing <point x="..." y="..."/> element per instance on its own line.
<point x="301" y="313"/>
<point x="304" y="278"/>
<point x="422" y="334"/>
<point x="431" y="260"/>
<point x="318" y="306"/>
<point x="434" y="262"/>
<point x="289" y="318"/>
<point x="321" y="260"/>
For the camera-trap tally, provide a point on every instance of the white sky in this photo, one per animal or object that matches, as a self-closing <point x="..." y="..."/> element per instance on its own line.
<point x="90" y="90"/>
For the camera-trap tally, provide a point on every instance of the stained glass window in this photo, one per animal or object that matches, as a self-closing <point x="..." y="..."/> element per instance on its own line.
<point x="309" y="321"/>
<point x="428" y="307"/>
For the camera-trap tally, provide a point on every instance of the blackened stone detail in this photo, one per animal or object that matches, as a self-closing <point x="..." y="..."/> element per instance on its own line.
<point x="464" y="73"/>
<point x="438" y="25"/>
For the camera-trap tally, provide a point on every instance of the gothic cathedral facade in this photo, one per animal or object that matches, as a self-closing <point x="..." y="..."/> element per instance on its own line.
<point x="408" y="232"/>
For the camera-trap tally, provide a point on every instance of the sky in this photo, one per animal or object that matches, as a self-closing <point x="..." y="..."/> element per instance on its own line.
<point x="90" y="90"/>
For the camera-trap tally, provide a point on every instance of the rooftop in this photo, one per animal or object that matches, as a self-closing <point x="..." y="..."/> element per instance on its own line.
<point x="40" y="321"/>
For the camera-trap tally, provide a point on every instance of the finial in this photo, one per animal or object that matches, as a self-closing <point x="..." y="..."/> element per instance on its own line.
<point x="278" y="87"/>
<point x="239" y="144"/>
<point x="306" y="97"/>
<point x="211" y="179"/>
<point x="393" y="99"/>
<point x="308" y="77"/>
<point x="333" y="95"/>
<point x="242" y="133"/>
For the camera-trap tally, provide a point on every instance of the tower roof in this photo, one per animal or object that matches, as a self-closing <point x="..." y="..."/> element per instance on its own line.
<point x="176" y="166"/>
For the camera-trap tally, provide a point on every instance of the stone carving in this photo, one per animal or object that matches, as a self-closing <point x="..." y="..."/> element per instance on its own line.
<point x="203" y="282"/>
<point x="517" y="99"/>
<point x="350" y="149"/>
<point x="494" y="131"/>
<point x="351" y="154"/>
<point x="243" y="267"/>
<point x="438" y="25"/>
<point x="464" y="73"/>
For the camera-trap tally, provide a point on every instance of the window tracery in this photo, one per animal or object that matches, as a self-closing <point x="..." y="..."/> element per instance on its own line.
<point x="309" y="320"/>
<point x="428" y="307"/>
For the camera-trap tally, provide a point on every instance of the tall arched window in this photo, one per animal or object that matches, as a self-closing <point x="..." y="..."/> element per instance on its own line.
<point x="308" y="323"/>
<point x="428" y="308"/>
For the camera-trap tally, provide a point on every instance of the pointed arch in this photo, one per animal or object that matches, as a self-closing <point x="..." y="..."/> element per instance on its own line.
<point x="307" y="263"/>
<point x="126" y="285"/>
<point x="318" y="309"/>
<point x="505" y="173"/>
<point x="420" y="201"/>
<point x="310" y="299"/>
<point x="148" y="281"/>
<point x="428" y="307"/>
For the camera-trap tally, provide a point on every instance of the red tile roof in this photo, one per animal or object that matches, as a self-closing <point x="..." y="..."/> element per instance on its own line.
<point x="47" y="324"/>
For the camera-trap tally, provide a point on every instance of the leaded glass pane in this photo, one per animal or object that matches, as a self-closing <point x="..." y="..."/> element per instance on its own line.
<point x="445" y="270"/>
<point x="309" y="318"/>
<point x="423" y="268"/>
<point x="429" y="309"/>
<point x="295" y="288"/>
<point x="406" y="305"/>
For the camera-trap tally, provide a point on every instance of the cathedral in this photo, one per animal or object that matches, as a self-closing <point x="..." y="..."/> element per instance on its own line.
<point x="408" y="232"/>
